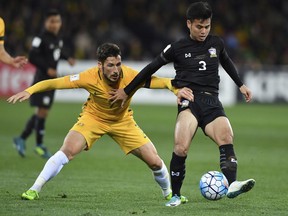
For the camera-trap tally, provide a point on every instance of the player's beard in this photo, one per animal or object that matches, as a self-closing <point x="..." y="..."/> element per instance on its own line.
<point x="109" y="80"/>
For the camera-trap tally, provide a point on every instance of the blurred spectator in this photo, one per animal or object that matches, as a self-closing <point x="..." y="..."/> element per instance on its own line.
<point x="253" y="30"/>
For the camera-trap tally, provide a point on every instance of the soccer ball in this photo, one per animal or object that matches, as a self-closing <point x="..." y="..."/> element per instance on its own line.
<point x="213" y="185"/>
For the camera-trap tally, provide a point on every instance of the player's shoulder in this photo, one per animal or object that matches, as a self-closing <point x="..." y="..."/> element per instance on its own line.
<point x="93" y="71"/>
<point x="90" y="75"/>
<point x="127" y="68"/>
<point x="1" y="21"/>
<point x="38" y="38"/>
<point x="181" y="42"/>
<point x="128" y="71"/>
<point x="215" y="39"/>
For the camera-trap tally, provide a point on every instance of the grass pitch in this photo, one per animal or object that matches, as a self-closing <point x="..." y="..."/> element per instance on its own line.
<point x="103" y="181"/>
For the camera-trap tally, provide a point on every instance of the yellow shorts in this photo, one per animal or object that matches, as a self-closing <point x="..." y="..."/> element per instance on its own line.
<point x="125" y="132"/>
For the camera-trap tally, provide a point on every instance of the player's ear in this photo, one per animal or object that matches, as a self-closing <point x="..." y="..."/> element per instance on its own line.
<point x="99" y="64"/>
<point x="189" y="23"/>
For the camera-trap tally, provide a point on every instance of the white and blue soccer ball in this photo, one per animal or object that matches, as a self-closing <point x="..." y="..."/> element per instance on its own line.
<point x="213" y="185"/>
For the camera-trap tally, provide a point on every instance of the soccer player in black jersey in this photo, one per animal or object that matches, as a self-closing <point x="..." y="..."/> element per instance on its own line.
<point x="196" y="60"/>
<point x="45" y="54"/>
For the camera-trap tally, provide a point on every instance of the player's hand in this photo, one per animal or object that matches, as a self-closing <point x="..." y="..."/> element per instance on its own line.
<point x="118" y="95"/>
<point x="186" y="93"/>
<point x="19" y="61"/>
<point x="52" y="72"/>
<point x="21" y="96"/>
<point x="71" y="61"/>
<point x="246" y="92"/>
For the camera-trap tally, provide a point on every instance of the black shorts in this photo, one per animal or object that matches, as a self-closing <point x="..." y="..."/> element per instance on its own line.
<point x="206" y="107"/>
<point x="42" y="99"/>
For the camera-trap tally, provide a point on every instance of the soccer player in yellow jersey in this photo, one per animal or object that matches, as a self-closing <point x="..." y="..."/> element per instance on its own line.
<point x="18" y="61"/>
<point x="99" y="117"/>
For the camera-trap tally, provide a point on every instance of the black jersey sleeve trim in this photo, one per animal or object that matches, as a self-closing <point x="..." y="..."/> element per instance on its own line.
<point x="144" y="74"/>
<point x="2" y="38"/>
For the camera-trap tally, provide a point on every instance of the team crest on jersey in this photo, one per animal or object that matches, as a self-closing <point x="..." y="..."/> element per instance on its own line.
<point x="212" y="52"/>
<point x="74" y="77"/>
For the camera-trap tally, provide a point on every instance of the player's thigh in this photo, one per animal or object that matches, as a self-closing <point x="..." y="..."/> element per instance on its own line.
<point x="128" y="135"/>
<point x="220" y="131"/>
<point x="90" y="128"/>
<point x="186" y="126"/>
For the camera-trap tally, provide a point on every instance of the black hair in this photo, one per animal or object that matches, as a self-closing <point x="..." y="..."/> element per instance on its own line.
<point x="52" y="12"/>
<point x="107" y="50"/>
<point x="199" y="10"/>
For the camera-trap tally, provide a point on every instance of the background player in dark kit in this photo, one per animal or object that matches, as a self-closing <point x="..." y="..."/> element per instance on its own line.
<point x="45" y="53"/>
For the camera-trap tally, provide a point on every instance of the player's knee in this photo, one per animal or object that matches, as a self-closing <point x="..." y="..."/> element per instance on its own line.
<point x="155" y="164"/>
<point x="180" y="150"/>
<point x="68" y="152"/>
<point x="226" y="137"/>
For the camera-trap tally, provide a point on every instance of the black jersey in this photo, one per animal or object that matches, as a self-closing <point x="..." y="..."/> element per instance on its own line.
<point x="196" y="64"/>
<point x="45" y="53"/>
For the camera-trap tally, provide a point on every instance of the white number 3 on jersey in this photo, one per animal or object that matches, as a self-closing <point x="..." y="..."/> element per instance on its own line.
<point x="202" y="65"/>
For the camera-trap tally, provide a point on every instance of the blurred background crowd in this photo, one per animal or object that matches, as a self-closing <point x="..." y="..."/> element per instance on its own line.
<point x="255" y="32"/>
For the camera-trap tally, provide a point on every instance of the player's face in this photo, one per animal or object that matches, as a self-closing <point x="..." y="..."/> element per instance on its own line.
<point x="199" y="29"/>
<point x="111" y="69"/>
<point x="53" y="24"/>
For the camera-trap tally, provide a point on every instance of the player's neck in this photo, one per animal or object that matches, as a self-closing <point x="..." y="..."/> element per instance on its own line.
<point x="110" y="83"/>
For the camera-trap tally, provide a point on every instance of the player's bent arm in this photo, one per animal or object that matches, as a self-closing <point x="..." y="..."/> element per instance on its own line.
<point x="46" y="85"/>
<point x="21" y="96"/>
<point x="144" y="74"/>
<point x="160" y="83"/>
<point x="4" y="56"/>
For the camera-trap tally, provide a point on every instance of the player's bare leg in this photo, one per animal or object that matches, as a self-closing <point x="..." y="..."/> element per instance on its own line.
<point x="149" y="155"/>
<point x="185" y="129"/>
<point x="220" y="131"/>
<point x="73" y="144"/>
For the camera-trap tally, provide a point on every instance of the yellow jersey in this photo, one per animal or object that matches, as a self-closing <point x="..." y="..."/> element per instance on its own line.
<point x="2" y="30"/>
<point x="97" y="104"/>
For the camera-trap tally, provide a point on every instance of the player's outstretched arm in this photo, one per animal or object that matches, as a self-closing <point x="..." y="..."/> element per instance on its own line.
<point x="21" y="96"/>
